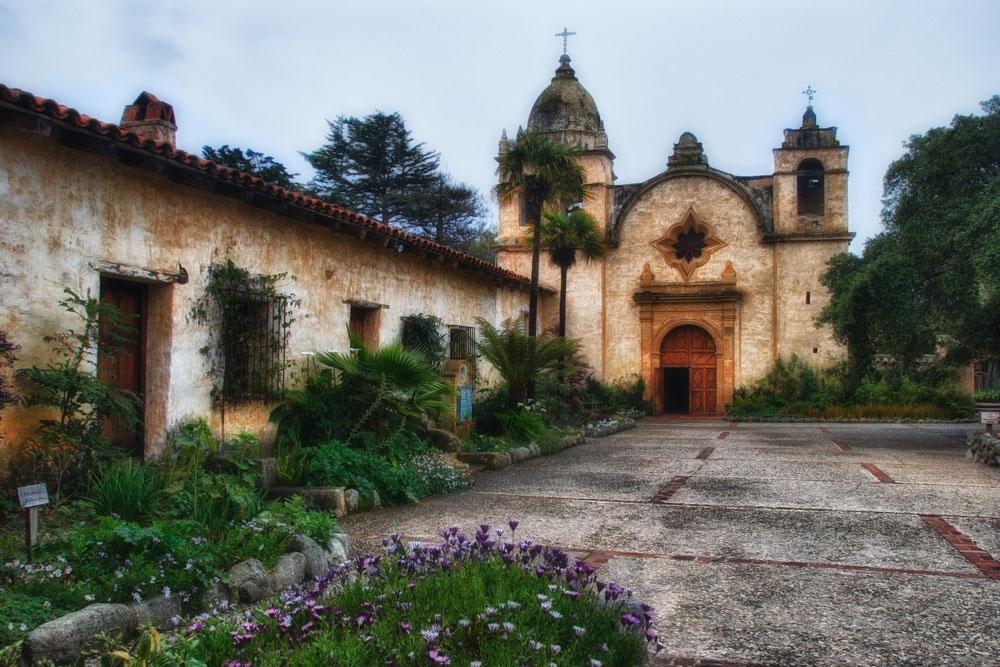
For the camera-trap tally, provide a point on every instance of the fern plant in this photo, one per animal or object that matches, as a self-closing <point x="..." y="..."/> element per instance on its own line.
<point x="522" y="359"/>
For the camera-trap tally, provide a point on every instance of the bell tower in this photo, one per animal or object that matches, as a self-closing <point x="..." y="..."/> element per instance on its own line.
<point x="566" y="113"/>
<point x="810" y="179"/>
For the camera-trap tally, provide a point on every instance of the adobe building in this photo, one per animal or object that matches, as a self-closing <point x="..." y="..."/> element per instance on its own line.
<point x="708" y="277"/>
<point x="118" y="211"/>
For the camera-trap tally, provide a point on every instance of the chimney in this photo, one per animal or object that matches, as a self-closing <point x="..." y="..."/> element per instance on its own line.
<point x="149" y="117"/>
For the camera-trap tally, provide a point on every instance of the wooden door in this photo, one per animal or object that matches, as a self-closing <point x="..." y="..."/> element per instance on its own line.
<point x="692" y="348"/>
<point x="122" y="359"/>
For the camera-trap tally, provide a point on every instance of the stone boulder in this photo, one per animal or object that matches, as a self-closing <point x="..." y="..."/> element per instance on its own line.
<point x="352" y="499"/>
<point x="444" y="440"/>
<point x="215" y="597"/>
<point x="519" y="454"/>
<point x="61" y="640"/>
<point x="338" y="549"/>
<point x="250" y="580"/>
<point x="288" y="571"/>
<point x="158" y="611"/>
<point x="316" y="561"/>
<point x="490" y="460"/>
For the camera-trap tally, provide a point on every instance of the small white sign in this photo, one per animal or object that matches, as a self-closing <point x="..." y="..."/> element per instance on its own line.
<point x="33" y="495"/>
<point x="989" y="416"/>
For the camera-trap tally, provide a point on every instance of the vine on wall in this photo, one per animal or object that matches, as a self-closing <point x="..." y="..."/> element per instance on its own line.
<point x="250" y="320"/>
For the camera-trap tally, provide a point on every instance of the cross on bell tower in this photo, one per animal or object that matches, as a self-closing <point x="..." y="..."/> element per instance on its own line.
<point x="565" y="34"/>
<point x="810" y="93"/>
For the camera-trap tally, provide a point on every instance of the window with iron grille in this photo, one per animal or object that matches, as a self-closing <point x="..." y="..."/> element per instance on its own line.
<point x="254" y="339"/>
<point x="461" y="342"/>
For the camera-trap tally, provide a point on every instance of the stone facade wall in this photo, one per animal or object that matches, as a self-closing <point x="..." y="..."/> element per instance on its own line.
<point x="61" y="209"/>
<point x="800" y="265"/>
<point x="732" y="221"/>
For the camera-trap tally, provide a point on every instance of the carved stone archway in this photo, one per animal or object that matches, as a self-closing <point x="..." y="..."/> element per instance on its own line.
<point x="708" y="306"/>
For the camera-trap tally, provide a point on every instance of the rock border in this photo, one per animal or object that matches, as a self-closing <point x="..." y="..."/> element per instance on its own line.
<point x="619" y="424"/>
<point x="62" y="639"/>
<point x="501" y="460"/>
<point x="983" y="448"/>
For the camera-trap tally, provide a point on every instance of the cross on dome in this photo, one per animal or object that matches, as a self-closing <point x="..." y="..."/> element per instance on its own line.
<point x="565" y="34"/>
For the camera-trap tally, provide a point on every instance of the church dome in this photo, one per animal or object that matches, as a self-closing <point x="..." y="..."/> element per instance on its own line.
<point x="567" y="110"/>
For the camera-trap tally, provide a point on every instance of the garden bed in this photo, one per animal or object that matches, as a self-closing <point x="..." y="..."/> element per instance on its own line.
<point x="486" y="600"/>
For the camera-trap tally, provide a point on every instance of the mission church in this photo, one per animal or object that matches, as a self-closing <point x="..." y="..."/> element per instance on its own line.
<point x="708" y="277"/>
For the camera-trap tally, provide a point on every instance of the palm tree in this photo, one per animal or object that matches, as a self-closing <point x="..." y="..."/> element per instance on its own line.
<point x="563" y="235"/>
<point x="544" y="172"/>
<point x="521" y="359"/>
<point x="391" y="385"/>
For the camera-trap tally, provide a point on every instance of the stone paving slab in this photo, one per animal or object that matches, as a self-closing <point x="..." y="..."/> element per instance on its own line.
<point x="638" y="481"/>
<point x="886" y="540"/>
<point x="954" y="472"/>
<point x="718" y="465"/>
<point x="767" y="614"/>
<point x="861" y="496"/>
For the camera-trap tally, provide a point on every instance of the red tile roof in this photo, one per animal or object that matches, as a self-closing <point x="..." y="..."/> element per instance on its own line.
<point x="58" y="112"/>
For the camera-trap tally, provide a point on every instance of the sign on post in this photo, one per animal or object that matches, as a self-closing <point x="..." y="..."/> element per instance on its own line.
<point x="33" y="495"/>
<point x="31" y="498"/>
<point x="989" y="417"/>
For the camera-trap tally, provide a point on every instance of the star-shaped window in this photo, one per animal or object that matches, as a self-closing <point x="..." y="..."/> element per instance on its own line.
<point x="688" y="244"/>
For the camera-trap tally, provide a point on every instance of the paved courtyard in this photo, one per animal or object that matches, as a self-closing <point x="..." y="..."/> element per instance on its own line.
<point x="838" y="544"/>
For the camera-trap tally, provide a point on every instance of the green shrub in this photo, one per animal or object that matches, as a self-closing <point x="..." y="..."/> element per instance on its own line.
<point x="319" y="412"/>
<point x="478" y="442"/>
<point x="319" y="526"/>
<point x="987" y="396"/>
<point x="337" y="464"/>
<point x="293" y="465"/>
<point x="793" y="388"/>
<point x="126" y="491"/>
<point x="215" y="501"/>
<point x="524" y="427"/>
<point x="422" y="333"/>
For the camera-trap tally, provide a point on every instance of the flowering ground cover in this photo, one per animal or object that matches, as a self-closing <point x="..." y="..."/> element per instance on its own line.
<point x="479" y="601"/>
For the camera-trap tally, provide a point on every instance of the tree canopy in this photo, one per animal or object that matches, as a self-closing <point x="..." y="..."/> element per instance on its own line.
<point x="251" y="162"/>
<point x="933" y="275"/>
<point x="373" y="165"/>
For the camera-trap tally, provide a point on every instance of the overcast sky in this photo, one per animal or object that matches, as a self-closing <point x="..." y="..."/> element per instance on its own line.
<point x="269" y="74"/>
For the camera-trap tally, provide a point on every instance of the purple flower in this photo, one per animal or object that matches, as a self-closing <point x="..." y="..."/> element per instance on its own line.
<point x="630" y="620"/>
<point x="513" y="525"/>
<point x="405" y="628"/>
<point x="431" y="633"/>
<point x="438" y="658"/>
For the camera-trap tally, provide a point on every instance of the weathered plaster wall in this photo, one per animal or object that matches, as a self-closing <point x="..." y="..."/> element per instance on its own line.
<point x="60" y="209"/>
<point x="732" y="221"/>
<point x="800" y="265"/>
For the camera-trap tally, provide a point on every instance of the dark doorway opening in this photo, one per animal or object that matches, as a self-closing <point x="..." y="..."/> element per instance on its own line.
<point x="122" y="359"/>
<point x="676" y="390"/>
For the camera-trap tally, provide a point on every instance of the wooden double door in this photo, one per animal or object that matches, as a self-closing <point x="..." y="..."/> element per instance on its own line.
<point x="689" y="365"/>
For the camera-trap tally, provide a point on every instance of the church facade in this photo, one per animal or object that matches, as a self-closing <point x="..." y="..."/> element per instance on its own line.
<point x="708" y="277"/>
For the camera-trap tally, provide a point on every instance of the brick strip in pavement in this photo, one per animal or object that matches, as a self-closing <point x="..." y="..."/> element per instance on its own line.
<point x="878" y="473"/>
<point x="705" y="453"/>
<point x="965" y="545"/>
<point x="666" y="492"/>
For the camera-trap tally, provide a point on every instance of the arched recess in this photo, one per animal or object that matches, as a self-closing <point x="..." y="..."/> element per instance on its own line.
<point x="810" y="187"/>
<point x="689" y="370"/>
